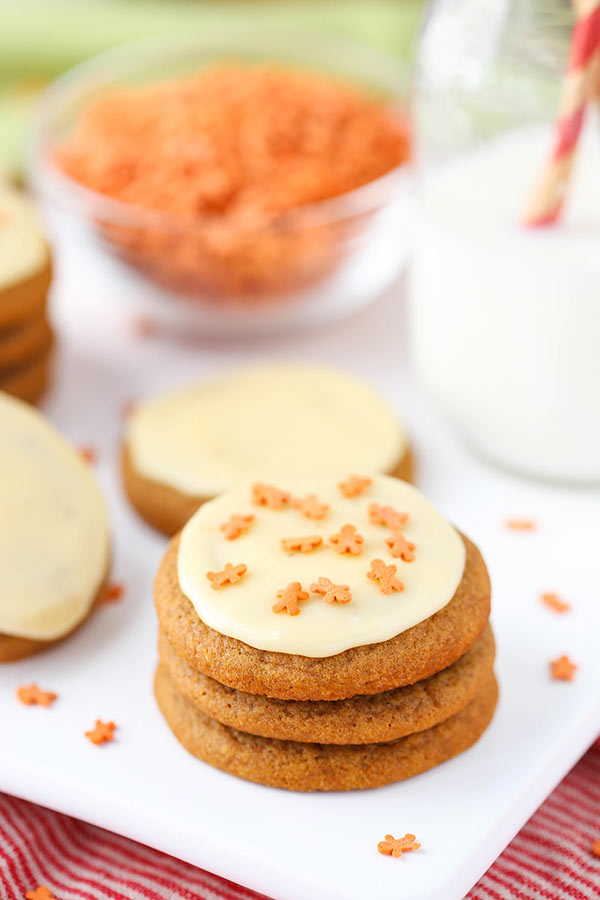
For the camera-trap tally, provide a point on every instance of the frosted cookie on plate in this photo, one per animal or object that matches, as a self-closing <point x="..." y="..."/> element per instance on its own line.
<point x="324" y="634"/>
<point x="54" y="539"/>
<point x="261" y="422"/>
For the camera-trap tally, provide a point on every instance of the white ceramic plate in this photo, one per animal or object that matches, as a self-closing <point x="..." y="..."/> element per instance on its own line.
<point x="294" y="846"/>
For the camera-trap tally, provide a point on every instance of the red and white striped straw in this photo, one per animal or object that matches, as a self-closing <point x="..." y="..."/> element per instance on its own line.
<point x="578" y="87"/>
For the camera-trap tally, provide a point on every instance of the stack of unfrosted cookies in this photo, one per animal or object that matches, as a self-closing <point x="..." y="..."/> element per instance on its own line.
<point x="324" y="635"/>
<point x="25" y="273"/>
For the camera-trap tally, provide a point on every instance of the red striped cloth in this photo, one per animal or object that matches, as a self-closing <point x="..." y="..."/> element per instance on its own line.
<point x="550" y="858"/>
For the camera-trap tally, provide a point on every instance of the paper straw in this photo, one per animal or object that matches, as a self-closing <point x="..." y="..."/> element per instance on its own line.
<point x="547" y="200"/>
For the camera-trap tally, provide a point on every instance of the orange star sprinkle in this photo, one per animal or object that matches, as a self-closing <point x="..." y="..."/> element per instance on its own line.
<point x="143" y="327"/>
<point x="400" y="547"/>
<point x="41" y="893"/>
<point x="388" y="516"/>
<point x="521" y="524"/>
<point x="596" y="848"/>
<point x="354" y="485"/>
<point x="392" y="846"/>
<point x="552" y="600"/>
<point x="562" y="669"/>
<point x="288" y="598"/>
<point x="332" y="593"/>
<point x="229" y="575"/>
<point x="385" y="575"/>
<point x="114" y="591"/>
<point x="128" y="408"/>
<point x="235" y="526"/>
<point x="88" y="454"/>
<point x="347" y="540"/>
<point x="301" y="544"/>
<point x="102" y="732"/>
<point x="311" y="507"/>
<point x="31" y="695"/>
<point x="267" y="495"/>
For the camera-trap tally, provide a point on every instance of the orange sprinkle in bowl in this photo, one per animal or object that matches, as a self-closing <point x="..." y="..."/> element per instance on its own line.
<point x="254" y="180"/>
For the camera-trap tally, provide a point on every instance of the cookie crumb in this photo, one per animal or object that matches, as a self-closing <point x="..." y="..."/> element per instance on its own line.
<point x="301" y="544"/>
<point x="562" y="669"/>
<point x="235" y="526"/>
<point x="31" y="695"/>
<point x="347" y="540"/>
<point x="521" y="524"/>
<point x="288" y="597"/>
<point x="354" y="485"/>
<point x="269" y="496"/>
<point x="102" y="732"/>
<point x="229" y="575"/>
<point x="385" y="575"/>
<point x="553" y="601"/>
<point x="392" y="846"/>
<point x="41" y="893"/>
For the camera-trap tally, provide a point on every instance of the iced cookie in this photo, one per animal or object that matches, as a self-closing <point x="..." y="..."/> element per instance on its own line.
<point x="257" y="422"/>
<point x="25" y="264"/>
<point x="54" y="542"/>
<point x="412" y="620"/>
<point x="324" y="634"/>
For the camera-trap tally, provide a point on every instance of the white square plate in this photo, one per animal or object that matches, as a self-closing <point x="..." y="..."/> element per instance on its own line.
<point x="293" y="846"/>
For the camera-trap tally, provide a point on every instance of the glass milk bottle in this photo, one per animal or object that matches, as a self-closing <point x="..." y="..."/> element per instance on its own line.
<point x="505" y="317"/>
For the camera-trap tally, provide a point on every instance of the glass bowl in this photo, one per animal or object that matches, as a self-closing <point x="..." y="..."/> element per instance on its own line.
<point x="309" y="266"/>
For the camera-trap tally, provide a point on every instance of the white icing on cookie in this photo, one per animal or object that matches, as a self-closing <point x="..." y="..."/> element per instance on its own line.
<point x="23" y="250"/>
<point x="262" y="422"/>
<point x="54" y="546"/>
<point x="244" y="610"/>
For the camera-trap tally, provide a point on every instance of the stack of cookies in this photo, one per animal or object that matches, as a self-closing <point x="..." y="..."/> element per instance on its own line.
<point x="25" y="274"/>
<point x="324" y="635"/>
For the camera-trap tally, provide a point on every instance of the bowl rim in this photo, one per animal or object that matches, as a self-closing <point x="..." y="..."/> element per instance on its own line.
<point x="107" y="67"/>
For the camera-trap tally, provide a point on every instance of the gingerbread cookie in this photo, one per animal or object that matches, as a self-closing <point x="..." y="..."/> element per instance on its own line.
<point x="23" y="343"/>
<point x="357" y="720"/>
<point x="54" y="546"/>
<point x="257" y="422"/>
<point x="321" y="767"/>
<point x="28" y="382"/>
<point x="380" y="640"/>
<point x="324" y="634"/>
